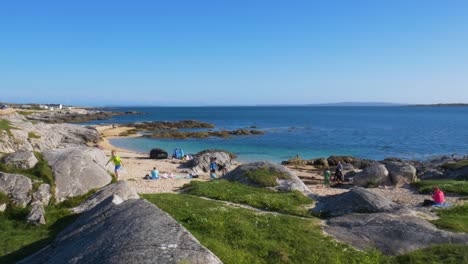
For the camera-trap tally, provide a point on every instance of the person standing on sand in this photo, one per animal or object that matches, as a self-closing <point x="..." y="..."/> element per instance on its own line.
<point x="326" y="175"/>
<point x="117" y="163"/>
<point x="213" y="167"/>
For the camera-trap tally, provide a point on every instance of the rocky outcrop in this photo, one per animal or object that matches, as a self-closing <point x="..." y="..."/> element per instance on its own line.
<point x="282" y="177"/>
<point x="357" y="200"/>
<point x="37" y="215"/>
<point x="42" y="195"/>
<point x="158" y="153"/>
<point x="74" y="117"/>
<point x="133" y="231"/>
<point x="175" y="134"/>
<point x="400" y="172"/>
<point x="392" y="234"/>
<point x="21" y="160"/>
<point x="201" y="161"/>
<point x="77" y="170"/>
<point x="373" y="175"/>
<point x="121" y="189"/>
<point x="17" y="187"/>
<point x="168" y="125"/>
<point x="63" y="136"/>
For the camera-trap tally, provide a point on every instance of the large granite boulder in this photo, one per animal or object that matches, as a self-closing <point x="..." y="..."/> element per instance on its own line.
<point x="17" y="187"/>
<point x="271" y="175"/>
<point x="21" y="160"/>
<point x="373" y="175"/>
<point x="121" y="189"/>
<point x="201" y="161"/>
<point x="400" y="172"/>
<point x="392" y="234"/>
<point x="77" y="170"/>
<point x="42" y="195"/>
<point x="357" y="200"/>
<point x="134" y="231"/>
<point x="37" y="215"/>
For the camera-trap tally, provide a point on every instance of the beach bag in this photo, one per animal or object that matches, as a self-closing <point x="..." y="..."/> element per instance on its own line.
<point x="428" y="202"/>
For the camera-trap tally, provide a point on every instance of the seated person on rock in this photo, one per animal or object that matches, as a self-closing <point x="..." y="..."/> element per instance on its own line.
<point x="154" y="174"/>
<point x="438" y="196"/>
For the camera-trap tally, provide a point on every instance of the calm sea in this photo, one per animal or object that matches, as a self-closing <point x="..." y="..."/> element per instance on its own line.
<point x="366" y="132"/>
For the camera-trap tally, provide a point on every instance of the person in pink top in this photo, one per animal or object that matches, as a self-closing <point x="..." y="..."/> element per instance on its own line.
<point x="438" y="196"/>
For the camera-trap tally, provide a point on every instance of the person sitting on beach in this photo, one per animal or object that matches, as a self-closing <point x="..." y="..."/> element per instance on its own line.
<point x="117" y="163"/>
<point x="438" y="196"/>
<point x="154" y="174"/>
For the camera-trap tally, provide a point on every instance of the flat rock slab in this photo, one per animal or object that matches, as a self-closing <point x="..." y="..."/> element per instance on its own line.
<point x="21" y="160"/>
<point x="357" y="200"/>
<point x="77" y="170"/>
<point x="17" y="187"/>
<point x="134" y="231"/>
<point x="392" y="234"/>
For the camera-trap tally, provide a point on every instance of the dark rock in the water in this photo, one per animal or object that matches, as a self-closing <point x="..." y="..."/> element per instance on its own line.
<point x="357" y="200"/>
<point x="168" y="125"/>
<point x="392" y="234"/>
<point x="201" y="160"/>
<point x="175" y="134"/>
<point x="77" y="170"/>
<point x="21" y="160"/>
<point x="400" y="172"/>
<point x="42" y="195"/>
<point x="158" y="153"/>
<point x="17" y="187"/>
<point x="121" y="189"/>
<point x="373" y="175"/>
<point x="281" y="177"/>
<point x="134" y="231"/>
<point x="37" y="215"/>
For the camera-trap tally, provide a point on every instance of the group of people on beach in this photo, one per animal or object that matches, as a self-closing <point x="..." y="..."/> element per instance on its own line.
<point x="180" y="154"/>
<point x="338" y="176"/>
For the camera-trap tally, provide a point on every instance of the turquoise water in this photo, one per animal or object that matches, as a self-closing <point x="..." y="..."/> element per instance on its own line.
<point x="367" y="132"/>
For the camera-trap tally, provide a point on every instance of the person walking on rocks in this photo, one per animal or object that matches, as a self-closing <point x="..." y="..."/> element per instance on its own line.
<point x="117" y="163"/>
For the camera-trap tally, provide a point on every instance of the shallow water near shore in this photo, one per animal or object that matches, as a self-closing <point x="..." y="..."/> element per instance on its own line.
<point x="311" y="132"/>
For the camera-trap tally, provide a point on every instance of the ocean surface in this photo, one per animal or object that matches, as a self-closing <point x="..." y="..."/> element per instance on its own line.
<point x="312" y="132"/>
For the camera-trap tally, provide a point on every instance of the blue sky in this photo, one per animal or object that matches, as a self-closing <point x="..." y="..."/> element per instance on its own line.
<point x="233" y="52"/>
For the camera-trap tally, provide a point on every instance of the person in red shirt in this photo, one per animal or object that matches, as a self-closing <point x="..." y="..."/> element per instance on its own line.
<point x="438" y="196"/>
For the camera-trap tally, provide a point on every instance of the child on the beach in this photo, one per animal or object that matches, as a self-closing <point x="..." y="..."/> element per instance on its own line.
<point x="117" y="163"/>
<point x="326" y="175"/>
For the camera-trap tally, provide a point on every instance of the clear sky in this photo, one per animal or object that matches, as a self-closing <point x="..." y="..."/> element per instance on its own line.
<point x="233" y="52"/>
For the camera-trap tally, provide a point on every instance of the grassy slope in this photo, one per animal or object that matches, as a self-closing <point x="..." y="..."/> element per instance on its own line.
<point x="238" y="235"/>
<point x="265" y="177"/>
<point x="454" y="219"/>
<point x="291" y="203"/>
<point x="451" y="186"/>
<point x="447" y="254"/>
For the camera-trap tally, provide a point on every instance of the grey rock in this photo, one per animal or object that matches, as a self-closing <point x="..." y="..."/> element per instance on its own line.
<point x="201" y="161"/>
<point x="21" y="160"/>
<point x="134" y="231"/>
<point x="37" y="215"/>
<point x="392" y="234"/>
<point x="42" y="195"/>
<point x="375" y="174"/>
<point x="461" y="174"/>
<point x="293" y="183"/>
<point x="77" y="170"/>
<point x="357" y="200"/>
<point x="121" y="188"/>
<point x="401" y="172"/>
<point x="17" y="187"/>
<point x="2" y="208"/>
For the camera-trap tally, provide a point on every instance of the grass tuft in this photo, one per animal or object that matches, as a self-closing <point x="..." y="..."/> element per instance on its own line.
<point x="33" y="135"/>
<point x="264" y="177"/>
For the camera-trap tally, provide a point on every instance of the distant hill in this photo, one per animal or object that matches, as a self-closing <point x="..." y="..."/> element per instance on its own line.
<point x="440" y="105"/>
<point x="359" y="104"/>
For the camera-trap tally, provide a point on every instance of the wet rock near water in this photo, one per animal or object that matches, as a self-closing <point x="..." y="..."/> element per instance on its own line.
<point x="174" y="134"/>
<point x="21" y="160"/>
<point x="16" y="187"/>
<point x="169" y="125"/>
<point x="133" y="231"/>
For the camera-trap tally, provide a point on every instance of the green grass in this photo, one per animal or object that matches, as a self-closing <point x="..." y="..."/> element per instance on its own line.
<point x="264" y="177"/>
<point x="20" y="239"/>
<point x="33" y="135"/>
<point x="454" y="219"/>
<point x="455" y="165"/>
<point x="285" y="202"/>
<point x="451" y="186"/>
<point x="4" y="198"/>
<point x="447" y="254"/>
<point x="25" y="113"/>
<point x="6" y="126"/>
<point x="238" y="235"/>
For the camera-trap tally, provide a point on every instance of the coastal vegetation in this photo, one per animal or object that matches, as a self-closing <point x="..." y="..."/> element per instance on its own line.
<point x="33" y="135"/>
<point x="454" y="218"/>
<point x="449" y="186"/>
<point x="293" y="203"/>
<point x="5" y="125"/>
<point x="238" y="235"/>
<point x="265" y="177"/>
